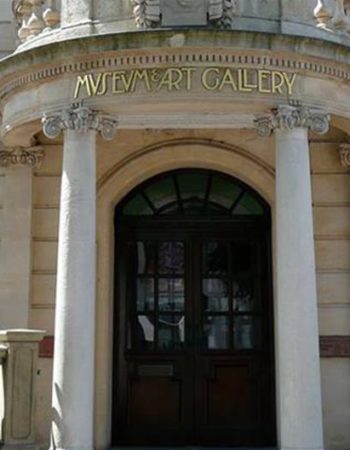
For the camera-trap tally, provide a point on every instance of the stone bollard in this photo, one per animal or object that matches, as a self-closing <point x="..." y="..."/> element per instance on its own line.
<point x="19" y="352"/>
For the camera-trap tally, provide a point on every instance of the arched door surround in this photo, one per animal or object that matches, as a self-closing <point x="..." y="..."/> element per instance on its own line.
<point x="193" y="347"/>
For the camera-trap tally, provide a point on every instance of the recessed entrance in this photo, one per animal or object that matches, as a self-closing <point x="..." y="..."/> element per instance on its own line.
<point x="193" y="318"/>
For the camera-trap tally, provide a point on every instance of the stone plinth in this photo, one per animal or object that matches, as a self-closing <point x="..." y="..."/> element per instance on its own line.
<point x="19" y="355"/>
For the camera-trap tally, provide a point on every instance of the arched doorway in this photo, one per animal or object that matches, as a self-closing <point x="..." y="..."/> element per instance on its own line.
<point x="193" y="345"/>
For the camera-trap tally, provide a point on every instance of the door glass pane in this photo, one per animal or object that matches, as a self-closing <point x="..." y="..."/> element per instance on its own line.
<point x="171" y="294"/>
<point x="145" y="294"/>
<point x="242" y="258"/>
<point x="171" y="258"/>
<point x="215" y="295"/>
<point x="216" y="331"/>
<point x="146" y="257"/>
<point x="244" y="298"/>
<point x="143" y="332"/>
<point x="215" y="258"/>
<point x="245" y="274"/>
<point x="247" y="332"/>
<point x="171" y="331"/>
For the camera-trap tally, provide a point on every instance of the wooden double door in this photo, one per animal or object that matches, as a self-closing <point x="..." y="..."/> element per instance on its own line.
<point x="193" y="341"/>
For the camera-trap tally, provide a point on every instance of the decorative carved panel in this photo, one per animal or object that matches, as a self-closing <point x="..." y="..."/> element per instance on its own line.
<point x="154" y="13"/>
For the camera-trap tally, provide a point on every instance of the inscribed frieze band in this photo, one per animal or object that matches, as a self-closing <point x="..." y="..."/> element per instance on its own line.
<point x="219" y="79"/>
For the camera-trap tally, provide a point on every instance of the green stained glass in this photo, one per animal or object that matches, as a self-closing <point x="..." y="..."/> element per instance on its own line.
<point x="192" y="185"/>
<point x="193" y="193"/>
<point x="137" y="206"/>
<point x="224" y="192"/>
<point x="172" y="209"/>
<point x="162" y="192"/>
<point x="248" y="206"/>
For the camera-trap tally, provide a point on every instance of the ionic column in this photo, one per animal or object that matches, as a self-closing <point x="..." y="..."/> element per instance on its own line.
<point x="299" y="406"/>
<point x="73" y="377"/>
<point x="16" y="165"/>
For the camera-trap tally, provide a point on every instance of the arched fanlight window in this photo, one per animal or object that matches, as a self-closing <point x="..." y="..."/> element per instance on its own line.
<point x="192" y="193"/>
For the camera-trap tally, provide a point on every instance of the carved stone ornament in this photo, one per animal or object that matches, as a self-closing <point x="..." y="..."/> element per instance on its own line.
<point x="222" y="12"/>
<point x="147" y="13"/>
<point x="290" y="117"/>
<point x="81" y="119"/>
<point x="22" y="156"/>
<point x="344" y="151"/>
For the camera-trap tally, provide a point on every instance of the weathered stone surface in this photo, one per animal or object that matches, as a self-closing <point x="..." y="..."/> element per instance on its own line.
<point x="184" y="12"/>
<point x="20" y="385"/>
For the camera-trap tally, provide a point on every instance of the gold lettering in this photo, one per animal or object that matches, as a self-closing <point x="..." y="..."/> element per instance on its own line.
<point x="128" y="81"/>
<point x="277" y="82"/>
<point x="104" y="84"/>
<point x="228" y="79"/>
<point x="188" y="76"/>
<point x="172" y="78"/>
<point x="95" y="84"/>
<point x="82" y="81"/>
<point x="176" y="79"/>
<point x="205" y="76"/>
<point x="142" y="75"/>
<point x="263" y="75"/>
<point x="241" y="86"/>
<point x="290" y="82"/>
<point x="115" y="82"/>
<point x="250" y="87"/>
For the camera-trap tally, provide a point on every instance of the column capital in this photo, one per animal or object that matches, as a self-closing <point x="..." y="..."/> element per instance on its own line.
<point x="21" y="156"/>
<point x="344" y="151"/>
<point x="81" y="119"/>
<point x="290" y="117"/>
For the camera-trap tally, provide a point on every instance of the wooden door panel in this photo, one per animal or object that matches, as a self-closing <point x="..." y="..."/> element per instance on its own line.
<point x="197" y="371"/>
<point x="155" y="403"/>
<point x="231" y="396"/>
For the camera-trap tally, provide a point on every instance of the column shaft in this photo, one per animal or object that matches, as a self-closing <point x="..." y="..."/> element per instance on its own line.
<point x="297" y="335"/>
<point x="73" y="380"/>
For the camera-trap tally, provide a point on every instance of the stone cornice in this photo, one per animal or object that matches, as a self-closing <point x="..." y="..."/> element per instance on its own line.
<point x="147" y="50"/>
<point x="22" y="156"/>
<point x="344" y="152"/>
<point x="290" y="117"/>
<point x="81" y="119"/>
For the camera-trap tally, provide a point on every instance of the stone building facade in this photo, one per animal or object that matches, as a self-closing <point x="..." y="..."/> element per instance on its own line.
<point x="215" y="135"/>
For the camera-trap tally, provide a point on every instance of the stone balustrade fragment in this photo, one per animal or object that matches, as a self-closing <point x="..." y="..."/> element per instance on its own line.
<point x="38" y="17"/>
<point x="333" y="15"/>
<point x="35" y="17"/>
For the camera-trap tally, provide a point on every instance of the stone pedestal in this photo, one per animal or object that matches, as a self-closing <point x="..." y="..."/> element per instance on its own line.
<point x="19" y="351"/>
